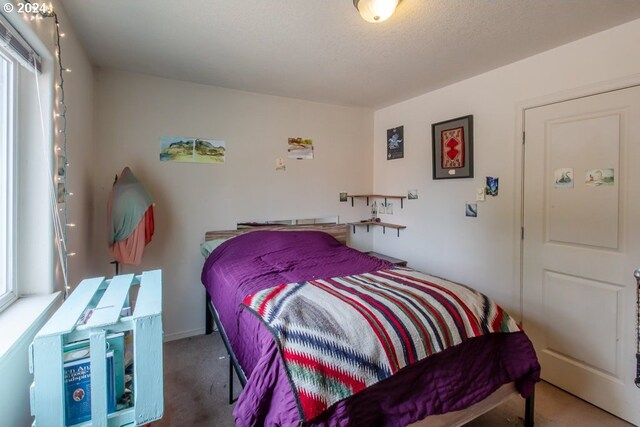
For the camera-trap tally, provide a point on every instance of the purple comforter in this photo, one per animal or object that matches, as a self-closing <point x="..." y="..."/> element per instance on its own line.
<point x="448" y="381"/>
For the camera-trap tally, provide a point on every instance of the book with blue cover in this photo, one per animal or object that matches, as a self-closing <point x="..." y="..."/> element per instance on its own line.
<point x="77" y="384"/>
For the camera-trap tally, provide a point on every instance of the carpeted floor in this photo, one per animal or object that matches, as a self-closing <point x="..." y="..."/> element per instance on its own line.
<point x="196" y="394"/>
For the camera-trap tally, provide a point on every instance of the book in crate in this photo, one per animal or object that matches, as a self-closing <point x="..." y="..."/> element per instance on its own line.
<point x="77" y="378"/>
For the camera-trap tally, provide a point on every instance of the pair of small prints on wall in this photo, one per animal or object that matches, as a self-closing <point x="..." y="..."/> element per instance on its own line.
<point x="192" y="150"/>
<point x="564" y="177"/>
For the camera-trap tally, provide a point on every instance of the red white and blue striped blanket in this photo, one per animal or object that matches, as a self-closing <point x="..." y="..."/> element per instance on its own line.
<point x="338" y="336"/>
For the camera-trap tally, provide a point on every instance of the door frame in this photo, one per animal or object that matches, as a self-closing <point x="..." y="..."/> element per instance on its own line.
<point x="521" y="108"/>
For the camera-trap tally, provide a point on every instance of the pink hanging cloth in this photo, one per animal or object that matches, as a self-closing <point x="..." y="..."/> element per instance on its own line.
<point x="130" y="219"/>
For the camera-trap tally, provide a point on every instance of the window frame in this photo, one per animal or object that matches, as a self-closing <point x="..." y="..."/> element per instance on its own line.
<point x="8" y="181"/>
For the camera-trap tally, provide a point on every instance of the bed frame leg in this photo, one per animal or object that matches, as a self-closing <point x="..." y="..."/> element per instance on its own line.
<point x="231" y="399"/>
<point x="208" y="326"/>
<point x="529" y="409"/>
<point x="211" y="319"/>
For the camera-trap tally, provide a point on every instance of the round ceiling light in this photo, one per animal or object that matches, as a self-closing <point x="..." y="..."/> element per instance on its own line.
<point x="376" y="10"/>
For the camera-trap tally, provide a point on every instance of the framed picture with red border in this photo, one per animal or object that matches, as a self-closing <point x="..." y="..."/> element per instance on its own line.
<point x="453" y="148"/>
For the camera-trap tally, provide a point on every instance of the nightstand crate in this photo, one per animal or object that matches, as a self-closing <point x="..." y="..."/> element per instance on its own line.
<point x="106" y="298"/>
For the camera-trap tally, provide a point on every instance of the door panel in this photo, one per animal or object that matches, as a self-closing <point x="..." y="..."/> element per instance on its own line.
<point x="585" y="143"/>
<point x="582" y="244"/>
<point x="594" y="316"/>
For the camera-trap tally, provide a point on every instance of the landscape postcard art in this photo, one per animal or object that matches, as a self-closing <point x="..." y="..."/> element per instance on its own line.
<point x="191" y="150"/>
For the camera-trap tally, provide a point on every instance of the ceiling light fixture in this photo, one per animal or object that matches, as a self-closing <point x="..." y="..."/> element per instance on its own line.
<point x="376" y="10"/>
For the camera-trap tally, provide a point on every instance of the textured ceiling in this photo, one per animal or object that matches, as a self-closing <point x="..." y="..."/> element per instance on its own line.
<point x="322" y="50"/>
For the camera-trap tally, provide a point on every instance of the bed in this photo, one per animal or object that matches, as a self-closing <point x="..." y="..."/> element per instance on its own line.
<point x="447" y="388"/>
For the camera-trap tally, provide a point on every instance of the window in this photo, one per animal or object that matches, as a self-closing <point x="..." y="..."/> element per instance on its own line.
<point x="8" y="291"/>
<point x="26" y="159"/>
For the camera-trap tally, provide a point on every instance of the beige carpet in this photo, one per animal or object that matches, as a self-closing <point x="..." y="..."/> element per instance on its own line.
<point x="196" y="393"/>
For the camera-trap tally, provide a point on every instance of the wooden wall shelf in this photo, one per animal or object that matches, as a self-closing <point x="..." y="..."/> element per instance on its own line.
<point x="377" y="196"/>
<point x="384" y="226"/>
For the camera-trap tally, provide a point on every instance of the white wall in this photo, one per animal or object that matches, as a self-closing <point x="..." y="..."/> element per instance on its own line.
<point x="439" y="239"/>
<point x="35" y="255"/>
<point x="133" y="111"/>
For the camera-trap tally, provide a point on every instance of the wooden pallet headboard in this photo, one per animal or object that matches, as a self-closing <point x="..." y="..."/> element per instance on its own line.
<point x="339" y="231"/>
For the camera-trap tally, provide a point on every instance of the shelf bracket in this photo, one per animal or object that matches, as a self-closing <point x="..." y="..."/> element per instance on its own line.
<point x="384" y="229"/>
<point x="401" y="200"/>
<point x="398" y="230"/>
<point x="367" y="200"/>
<point x="352" y="206"/>
<point x="354" y="228"/>
<point x="367" y="228"/>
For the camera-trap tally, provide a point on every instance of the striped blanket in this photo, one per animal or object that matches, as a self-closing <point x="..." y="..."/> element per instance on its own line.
<point x="338" y="336"/>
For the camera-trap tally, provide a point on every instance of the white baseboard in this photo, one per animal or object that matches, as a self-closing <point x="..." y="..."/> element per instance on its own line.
<point x="185" y="334"/>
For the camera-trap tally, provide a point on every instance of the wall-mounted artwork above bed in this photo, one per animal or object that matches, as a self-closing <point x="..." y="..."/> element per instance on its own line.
<point x="452" y="148"/>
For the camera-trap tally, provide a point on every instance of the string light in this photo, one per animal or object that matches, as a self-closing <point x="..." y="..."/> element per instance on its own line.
<point x="60" y="147"/>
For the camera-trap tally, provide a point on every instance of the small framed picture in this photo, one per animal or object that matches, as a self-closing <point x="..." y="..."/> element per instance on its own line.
<point x="471" y="209"/>
<point x="395" y="143"/>
<point x="452" y="146"/>
<point x="60" y="192"/>
<point x="492" y="186"/>
<point x="62" y="166"/>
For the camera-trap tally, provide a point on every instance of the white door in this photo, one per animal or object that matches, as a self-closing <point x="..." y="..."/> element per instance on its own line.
<point x="582" y="245"/>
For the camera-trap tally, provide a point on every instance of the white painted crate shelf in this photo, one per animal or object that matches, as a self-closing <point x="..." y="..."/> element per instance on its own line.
<point x="107" y="297"/>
